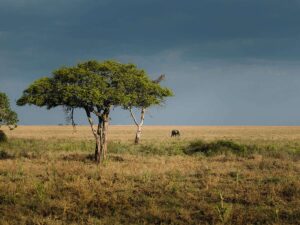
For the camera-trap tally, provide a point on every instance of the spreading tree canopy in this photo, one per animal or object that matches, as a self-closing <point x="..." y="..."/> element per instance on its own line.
<point x="144" y="93"/>
<point x="95" y="87"/>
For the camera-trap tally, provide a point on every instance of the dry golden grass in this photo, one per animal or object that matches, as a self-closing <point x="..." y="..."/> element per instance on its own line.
<point x="161" y="133"/>
<point x="150" y="190"/>
<point x="48" y="178"/>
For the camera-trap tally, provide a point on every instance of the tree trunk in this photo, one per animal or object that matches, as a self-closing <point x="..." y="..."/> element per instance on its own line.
<point x="97" y="134"/>
<point x="104" y="135"/>
<point x="98" y="151"/>
<point x="139" y="125"/>
<point x="138" y="134"/>
<point x="100" y="133"/>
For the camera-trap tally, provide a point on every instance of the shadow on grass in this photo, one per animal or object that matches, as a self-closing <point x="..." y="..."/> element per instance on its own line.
<point x="83" y="157"/>
<point x="220" y="147"/>
<point x="4" y="155"/>
<point x="79" y="157"/>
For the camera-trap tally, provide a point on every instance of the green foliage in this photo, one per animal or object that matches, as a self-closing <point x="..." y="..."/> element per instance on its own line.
<point x="71" y="87"/>
<point x="141" y="91"/>
<point x="220" y="147"/>
<point x="7" y="116"/>
<point x="95" y="87"/>
<point x="94" y="84"/>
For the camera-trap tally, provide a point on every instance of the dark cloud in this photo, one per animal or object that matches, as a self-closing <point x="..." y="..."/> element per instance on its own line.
<point x="229" y="61"/>
<point x="145" y="27"/>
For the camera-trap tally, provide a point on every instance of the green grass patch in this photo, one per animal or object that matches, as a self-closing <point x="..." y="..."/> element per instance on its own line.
<point x="32" y="148"/>
<point x="220" y="147"/>
<point x="57" y="182"/>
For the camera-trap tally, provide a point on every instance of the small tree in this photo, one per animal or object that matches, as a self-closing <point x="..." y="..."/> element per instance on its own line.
<point x="7" y="116"/>
<point x="143" y="94"/>
<point x="93" y="86"/>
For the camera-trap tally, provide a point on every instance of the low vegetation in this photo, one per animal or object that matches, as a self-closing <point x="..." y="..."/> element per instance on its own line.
<point x="3" y="137"/>
<point x="175" y="181"/>
<point x="7" y="117"/>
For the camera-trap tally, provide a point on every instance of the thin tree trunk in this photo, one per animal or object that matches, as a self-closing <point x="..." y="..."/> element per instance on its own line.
<point x="98" y="150"/>
<point x="139" y="125"/>
<point x="101" y="132"/>
<point x="104" y="134"/>
<point x="138" y="134"/>
<point x="98" y="136"/>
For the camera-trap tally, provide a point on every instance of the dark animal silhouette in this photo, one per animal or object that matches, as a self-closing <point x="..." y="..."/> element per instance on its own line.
<point x="175" y="133"/>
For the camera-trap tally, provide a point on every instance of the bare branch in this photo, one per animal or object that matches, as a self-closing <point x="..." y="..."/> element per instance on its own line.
<point x="159" y="79"/>
<point x="133" y="117"/>
<point x="72" y="119"/>
<point x="97" y="113"/>
<point x="90" y="119"/>
<point x="69" y="111"/>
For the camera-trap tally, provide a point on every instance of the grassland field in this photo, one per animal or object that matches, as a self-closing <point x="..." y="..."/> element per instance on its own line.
<point x="209" y="175"/>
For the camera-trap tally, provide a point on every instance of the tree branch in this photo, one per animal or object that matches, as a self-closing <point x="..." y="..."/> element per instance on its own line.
<point x="159" y="79"/>
<point x="72" y="119"/>
<point x="97" y="113"/>
<point x="133" y="117"/>
<point x="88" y="114"/>
<point x="142" y="116"/>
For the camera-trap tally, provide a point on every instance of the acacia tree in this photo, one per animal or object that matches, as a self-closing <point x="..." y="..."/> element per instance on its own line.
<point x="93" y="86"/>
<point x="7" y="116"/>
<point x="143" y="94"/>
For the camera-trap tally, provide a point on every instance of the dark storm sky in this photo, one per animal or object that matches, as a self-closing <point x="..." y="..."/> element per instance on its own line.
<point x="229" y="62"/>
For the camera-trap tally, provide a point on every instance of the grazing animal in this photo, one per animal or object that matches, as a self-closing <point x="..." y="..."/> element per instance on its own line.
<point x="175" y="133"/>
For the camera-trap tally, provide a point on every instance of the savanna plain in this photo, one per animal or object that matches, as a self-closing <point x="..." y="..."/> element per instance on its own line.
<point x="208" y="175"/>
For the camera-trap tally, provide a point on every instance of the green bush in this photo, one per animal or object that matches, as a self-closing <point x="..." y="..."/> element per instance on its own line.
<point x="3" y="137"/>
<point x="219" y="147"/>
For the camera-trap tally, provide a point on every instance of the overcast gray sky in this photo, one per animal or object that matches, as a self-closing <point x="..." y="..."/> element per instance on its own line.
<point x="229" y="62"/>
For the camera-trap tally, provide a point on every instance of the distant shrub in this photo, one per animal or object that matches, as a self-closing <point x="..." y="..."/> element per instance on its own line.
<point x="4" y="155"/>
<point x="3" y="137"/>
<point x="219" y="147"/>
<point x="180" y="148"/>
